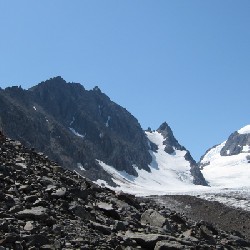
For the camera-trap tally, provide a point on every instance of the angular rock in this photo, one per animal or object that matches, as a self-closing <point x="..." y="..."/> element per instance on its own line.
<point x="168" y="245"/>
<point x="108" y="210"/>
<point x="59" y="192"/>
<point x="102" y="228"/>
<point x="35" y="213"/>
<point x="153" y="218"/>
<point x="146" y="240"/>
<point x="28" y="226"/>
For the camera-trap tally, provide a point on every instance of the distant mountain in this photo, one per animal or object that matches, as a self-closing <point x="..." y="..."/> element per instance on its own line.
<point x="228" y="164"/>
<point x="79" y="129"/>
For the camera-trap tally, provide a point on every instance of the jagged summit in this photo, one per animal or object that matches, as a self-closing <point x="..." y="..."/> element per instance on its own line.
<point x="169" y="140"/>
<point x="172" y="146"/>
<point x="57" y="84"/>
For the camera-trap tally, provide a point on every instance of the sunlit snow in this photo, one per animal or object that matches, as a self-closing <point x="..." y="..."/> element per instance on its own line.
<point x="228" y="176"/>
<point x="169" y="173"/>
<point x="244" y="130"/>
<point x="76" y="133"/>
<point x="226" y="171"/>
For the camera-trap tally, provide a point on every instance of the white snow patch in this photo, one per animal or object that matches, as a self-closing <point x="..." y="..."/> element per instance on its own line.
<point x="244" y="130"/>
<point x="246" y="149"/>
<point x="213" y="153"/>
<point x="107" y="122"/>
<point x="80" y="166"/>
<point x="101" y="183"/>
<point x="76" y="133"/>
<point x="34" y="107"/>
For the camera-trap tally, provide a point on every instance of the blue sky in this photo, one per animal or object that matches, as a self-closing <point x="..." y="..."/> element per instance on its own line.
<point x="184" y="62"/>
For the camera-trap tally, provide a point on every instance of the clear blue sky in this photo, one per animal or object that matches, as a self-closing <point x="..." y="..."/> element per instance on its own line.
<point x="184" y="62"/>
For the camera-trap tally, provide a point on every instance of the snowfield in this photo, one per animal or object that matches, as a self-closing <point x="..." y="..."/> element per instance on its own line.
<point x="228" y="176"/>
<point x="169" y="173"/>
<point x="226" y="171"/>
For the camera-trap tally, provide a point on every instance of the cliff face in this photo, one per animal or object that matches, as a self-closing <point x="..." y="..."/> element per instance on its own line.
<point x="74" y="127"/>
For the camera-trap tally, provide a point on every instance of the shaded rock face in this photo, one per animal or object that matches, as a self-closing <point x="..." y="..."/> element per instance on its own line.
<point x="236" y="144"/>
<point x="44" y="206"/>
<point x="171" y="144"/>
<point x="74" y="127"/>
<point x="170" y="141"/>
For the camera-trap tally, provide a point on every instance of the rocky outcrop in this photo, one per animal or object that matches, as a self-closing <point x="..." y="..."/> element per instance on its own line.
<point x="236" y="144"/>
<point x="43" y="206"/>
<point x="171" y="144"/>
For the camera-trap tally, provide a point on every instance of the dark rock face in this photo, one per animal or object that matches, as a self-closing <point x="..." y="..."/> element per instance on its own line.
<point x="74" y="127"/>
<point x="171" y="144"/>
<point x="43" y="206"/>
<point x="235" y="144"/>
<point x="169" y="139"/>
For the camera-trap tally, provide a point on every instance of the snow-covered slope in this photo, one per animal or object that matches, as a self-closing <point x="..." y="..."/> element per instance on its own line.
<point x="227" y="165"/>
<point x="169" y="172"/>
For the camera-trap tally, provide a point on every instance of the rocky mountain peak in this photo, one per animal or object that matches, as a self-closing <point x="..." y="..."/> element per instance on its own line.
<point x="170" y="141"/>
<point x="96" y="88"/>
<point x="171" y="145"/>
<point x="165" y="130"/>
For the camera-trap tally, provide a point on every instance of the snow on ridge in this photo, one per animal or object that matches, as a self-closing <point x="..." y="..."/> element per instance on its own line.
<point x="213" y="153"/>
<point x="76" y="133"/>
<point x="244" y="130"/>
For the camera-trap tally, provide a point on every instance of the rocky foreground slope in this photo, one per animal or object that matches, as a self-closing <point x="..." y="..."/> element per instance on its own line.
<point x="43" y="206"/>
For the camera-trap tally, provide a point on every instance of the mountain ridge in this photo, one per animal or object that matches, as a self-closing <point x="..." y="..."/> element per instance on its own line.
<point x="77" y="127"/>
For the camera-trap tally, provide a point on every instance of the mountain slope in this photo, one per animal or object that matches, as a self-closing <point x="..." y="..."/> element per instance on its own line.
<point x="74" y="126"/>
<point x="227" y="165"/>
<point x="172" y="168"/>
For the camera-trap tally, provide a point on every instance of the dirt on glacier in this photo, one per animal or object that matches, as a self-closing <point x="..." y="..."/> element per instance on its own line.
<point x="233" y="220"/>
